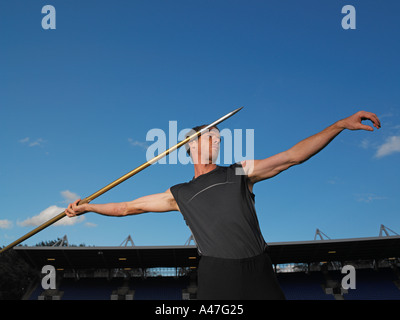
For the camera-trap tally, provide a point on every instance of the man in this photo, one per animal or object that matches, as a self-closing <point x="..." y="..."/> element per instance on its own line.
<point x="218" y="206"/>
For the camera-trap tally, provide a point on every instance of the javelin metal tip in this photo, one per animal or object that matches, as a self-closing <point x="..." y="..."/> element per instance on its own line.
<point x="230" y="114"/>
<point x="237" y="110"/>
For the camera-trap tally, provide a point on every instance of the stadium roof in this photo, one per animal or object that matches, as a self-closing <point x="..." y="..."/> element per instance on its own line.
<point x="187" y="256"/>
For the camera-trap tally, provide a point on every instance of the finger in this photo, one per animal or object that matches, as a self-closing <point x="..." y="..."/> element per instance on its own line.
<point x="69" y="212"/>
<point x="377" y="121"/>
<point x="373" y="118"/>
<point x="75" y="204"/>
<point x="365" y="127"/>
<point x="69" y="208"/>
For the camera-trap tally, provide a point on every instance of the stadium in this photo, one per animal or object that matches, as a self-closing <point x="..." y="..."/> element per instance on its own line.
<point x="306" y="270"/>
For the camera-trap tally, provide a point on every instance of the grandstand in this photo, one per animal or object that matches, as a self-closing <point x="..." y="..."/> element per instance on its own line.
<point x="306" y="270"/>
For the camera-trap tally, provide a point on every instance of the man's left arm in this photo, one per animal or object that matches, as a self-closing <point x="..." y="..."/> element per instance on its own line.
<point x="258" y="170"/>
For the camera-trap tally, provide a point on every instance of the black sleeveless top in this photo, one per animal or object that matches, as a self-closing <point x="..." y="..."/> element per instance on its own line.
<point x="219" y="209"/>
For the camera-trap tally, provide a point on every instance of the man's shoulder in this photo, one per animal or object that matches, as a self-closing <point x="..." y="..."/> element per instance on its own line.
<point x="177" y="186"/>
<point x="238" y="168"/>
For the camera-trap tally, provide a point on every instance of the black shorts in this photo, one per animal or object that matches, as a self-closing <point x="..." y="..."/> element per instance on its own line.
<point x="238" y="279"/>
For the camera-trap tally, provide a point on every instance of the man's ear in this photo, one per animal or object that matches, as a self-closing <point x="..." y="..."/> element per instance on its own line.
<point x="192" y="145"/>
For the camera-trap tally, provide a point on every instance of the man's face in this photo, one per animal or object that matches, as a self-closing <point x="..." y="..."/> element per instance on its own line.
<point x="208" y="146"/>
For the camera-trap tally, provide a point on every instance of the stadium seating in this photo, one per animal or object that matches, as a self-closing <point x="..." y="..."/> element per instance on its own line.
<point x="302" y="286"/>
<point x="370" y="284"/>
<point x="159" y="288"/>
<point x="88" y="288"/>
<point x="374" y="285"/>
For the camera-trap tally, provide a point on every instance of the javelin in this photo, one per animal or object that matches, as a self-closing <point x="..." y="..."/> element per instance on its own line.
<point x="121" y="179"/>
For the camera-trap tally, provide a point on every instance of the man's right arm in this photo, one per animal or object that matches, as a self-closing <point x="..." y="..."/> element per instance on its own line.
<point x="159" y="202"/>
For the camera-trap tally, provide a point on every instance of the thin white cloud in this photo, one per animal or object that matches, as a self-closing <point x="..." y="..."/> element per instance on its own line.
<point x="5" y="224"/>
<point x="37" y="142"/>
<point x="386" y="115"/>
<point x="32" y="143"/>
<point x="54" y="210"/>
<point x="25" y="140"/>
<point x="365" y="144"/>
<point x="333" y="180"/>
<point x="90" y="224"/>
<point x="368" y="197"/>
<point x="69" y="196"/>
<point x="135" y="143"/>
<point x="392" y="145"/>
<point x="48" y="214"/>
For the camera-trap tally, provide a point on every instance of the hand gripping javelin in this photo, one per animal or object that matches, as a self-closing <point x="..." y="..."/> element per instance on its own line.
<point x="120" y="180"/>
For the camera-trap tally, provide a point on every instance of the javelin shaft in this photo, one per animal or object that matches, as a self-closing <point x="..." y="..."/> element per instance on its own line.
<point x="120" y="180"/>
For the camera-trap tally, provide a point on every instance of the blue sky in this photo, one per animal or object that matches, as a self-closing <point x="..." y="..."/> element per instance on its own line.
<point x="77" y="102"/>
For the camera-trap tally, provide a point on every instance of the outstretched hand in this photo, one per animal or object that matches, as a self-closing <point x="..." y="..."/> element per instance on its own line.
<point x="354" y="122"/>
<point x="75" y="210"/>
